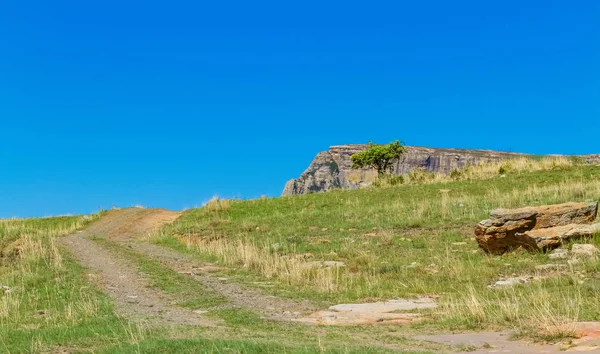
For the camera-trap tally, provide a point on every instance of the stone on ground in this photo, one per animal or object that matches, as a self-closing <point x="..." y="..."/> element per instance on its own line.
<point x="559" y="253"/>
<point x="512" y="281"/>
<point x="550" y="267"/>
<point x="587" y="331"/>
<point x="584" y="250"/>
<point x="507" y="229"/>
<point x="553" y="237"/>
<point x="371" y="313"/>
<point x="325" y="264"/>
<point x="502" y="342"/>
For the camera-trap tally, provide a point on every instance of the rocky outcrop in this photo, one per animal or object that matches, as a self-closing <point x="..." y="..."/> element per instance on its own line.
<point x="536" y="228"/>
<point x="333" y="170"/>
<point x="322" y="175"/>
<point x="592" y="159"/>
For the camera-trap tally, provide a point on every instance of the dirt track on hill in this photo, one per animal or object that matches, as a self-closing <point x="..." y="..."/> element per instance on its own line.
<point x="270" y="307"/>
<point x="129" y="288"/>
<point x="119" y="278"/>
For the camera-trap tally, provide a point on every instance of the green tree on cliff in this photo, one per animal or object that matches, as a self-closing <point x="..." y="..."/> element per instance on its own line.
<point x="379" y="157"/>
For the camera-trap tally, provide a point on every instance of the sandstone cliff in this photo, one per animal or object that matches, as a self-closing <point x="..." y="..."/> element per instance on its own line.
<point x="332" y="169"/>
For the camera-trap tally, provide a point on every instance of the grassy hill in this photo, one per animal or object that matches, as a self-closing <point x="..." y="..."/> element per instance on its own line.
<point x="403" y="241"/>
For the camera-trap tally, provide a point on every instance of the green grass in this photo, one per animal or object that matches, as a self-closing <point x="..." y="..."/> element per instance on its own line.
<point x="400" y="241"/>
<point x="236" y="346"/>
<point x="380" y="232"/>
<point x="51" y="302"/>
<point x="189" y="293"/>
<point x="53" y="306"/>
<point x="246" y="332"/>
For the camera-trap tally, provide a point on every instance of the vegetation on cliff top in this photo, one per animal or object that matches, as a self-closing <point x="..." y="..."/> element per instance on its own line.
<point x="378" y="157"/>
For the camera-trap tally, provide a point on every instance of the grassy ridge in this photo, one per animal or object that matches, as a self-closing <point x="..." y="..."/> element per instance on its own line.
<point x="403" y="241"/>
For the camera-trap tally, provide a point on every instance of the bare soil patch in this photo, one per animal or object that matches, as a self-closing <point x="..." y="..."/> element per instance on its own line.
<point x="127" y="287"/>
<point x="131" y="222"/>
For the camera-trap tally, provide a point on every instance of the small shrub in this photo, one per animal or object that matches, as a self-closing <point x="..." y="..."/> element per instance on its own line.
<point x="395" y="180"/>
<point x="504" y="168"/>
<point x="379" y="157"/>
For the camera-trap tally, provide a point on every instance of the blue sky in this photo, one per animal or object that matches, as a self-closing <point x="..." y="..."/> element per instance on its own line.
<point x="166" y="104"/>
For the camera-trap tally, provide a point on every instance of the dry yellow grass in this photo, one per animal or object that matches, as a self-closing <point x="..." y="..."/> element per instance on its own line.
<point x="217" y="205"/>
<point x="30" y="251"/>
<point x="484" y="170"/>
<point x="286" y="268"/>
<point x="453" y="205"/>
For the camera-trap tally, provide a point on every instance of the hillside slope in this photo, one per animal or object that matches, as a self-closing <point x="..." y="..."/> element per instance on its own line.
<point x="404" y="242"/>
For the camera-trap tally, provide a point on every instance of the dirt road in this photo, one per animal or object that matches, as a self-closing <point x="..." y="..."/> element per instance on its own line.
<point x="130" y="289"/>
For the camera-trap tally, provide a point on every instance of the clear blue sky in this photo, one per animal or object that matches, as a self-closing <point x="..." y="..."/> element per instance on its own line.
<point x="168" y="103"/>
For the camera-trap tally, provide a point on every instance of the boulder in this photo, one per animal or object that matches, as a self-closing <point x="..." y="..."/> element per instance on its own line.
<point x="560" y="253"/>
<point x="507" y="229"/>
<point x="564" y="214"/>
<point x="584" y="250"/>
<point x="553" y="237"/>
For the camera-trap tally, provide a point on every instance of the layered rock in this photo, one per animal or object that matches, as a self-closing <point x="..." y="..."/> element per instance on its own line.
<point x="333" y="169"/>
<point x="554" y="237"/>
<point x="536" y="228"/>
<point x="321" y="175"/>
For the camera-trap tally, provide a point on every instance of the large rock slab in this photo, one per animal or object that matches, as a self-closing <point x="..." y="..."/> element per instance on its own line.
<point x="554" y="237"/>
<point x="584" y="250"/>
<point x="371" y="313"/>
<point x="387" y="306"/>
<point x="507" y="229"/>
<point x="565" y="214"/>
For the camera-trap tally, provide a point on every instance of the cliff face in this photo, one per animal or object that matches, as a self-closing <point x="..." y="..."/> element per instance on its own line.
<point x="333" y="170"/>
